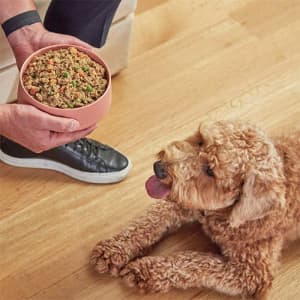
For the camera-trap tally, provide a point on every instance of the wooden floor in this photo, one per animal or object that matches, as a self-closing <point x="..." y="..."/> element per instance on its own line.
<point x="190" y="61"/>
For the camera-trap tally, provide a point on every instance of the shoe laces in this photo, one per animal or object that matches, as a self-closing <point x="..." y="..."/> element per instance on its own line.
<point x="88" y="147"/>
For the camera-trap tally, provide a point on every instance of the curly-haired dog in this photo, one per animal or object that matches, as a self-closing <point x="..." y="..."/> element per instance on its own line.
<point x="242" y="186"/>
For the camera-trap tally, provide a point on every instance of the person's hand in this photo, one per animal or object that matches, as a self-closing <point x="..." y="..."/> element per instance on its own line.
<point x="25" y="124"/>
<point x="37" y="130"/>
<point x="31" y="38"/>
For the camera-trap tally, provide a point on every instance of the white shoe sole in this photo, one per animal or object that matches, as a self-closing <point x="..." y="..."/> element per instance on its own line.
<point x="40" y="163"/>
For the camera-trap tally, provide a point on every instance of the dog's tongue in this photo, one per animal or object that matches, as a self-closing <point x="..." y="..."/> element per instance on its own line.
<point x="156" y="189"/>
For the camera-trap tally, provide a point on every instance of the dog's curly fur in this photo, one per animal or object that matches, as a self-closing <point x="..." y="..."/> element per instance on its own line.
<point x="243" y="187"/>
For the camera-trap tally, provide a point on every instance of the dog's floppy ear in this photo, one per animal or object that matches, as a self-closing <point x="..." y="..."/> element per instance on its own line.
<point x="261" y="192"/>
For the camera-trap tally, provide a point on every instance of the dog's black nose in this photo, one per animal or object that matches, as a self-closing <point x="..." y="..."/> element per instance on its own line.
<point x="159" y="170"/>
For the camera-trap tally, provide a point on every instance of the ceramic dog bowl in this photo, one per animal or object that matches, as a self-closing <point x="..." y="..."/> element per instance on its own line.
<point x="87" y="115"/>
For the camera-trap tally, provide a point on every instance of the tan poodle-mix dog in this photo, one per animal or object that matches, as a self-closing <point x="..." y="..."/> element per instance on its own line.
<point x="242" y="186"/>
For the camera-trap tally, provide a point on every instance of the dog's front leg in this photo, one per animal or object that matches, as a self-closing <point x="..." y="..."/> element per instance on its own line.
<point x="194" y="269"/>
<point x="163" y="217"/>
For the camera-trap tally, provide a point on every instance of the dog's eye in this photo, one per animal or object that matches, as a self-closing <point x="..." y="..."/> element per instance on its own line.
<point x="208" y="171"/>
<point x="200" y="143"/>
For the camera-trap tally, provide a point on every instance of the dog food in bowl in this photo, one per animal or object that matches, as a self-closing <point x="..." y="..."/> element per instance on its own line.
<point x="65" y="78"/>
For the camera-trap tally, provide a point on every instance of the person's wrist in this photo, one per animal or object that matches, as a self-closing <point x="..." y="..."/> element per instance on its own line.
<point x="26" y="36"/>
<point x="5" y="110"/>
<point x="25" y="41"/>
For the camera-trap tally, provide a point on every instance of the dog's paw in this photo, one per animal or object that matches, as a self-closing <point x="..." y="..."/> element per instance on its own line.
<point x="109" y="256"/>
<point x="149" y="274"/>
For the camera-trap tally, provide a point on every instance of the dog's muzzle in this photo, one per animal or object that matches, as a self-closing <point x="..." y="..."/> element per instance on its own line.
<point x="159" y="170"/>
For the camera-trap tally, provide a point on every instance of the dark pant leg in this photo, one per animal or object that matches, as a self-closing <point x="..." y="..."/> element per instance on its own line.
<point x="88" y="20"/>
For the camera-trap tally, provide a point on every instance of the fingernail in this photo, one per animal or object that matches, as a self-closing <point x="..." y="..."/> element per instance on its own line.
<point x="74" y="125"/>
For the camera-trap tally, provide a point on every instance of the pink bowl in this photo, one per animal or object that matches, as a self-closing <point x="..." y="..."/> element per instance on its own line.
<point x="87" y="115"/>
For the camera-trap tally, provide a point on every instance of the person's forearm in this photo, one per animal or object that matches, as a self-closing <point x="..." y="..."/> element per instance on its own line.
<point x="23" y="37"/>
<point x="11" y="8"/>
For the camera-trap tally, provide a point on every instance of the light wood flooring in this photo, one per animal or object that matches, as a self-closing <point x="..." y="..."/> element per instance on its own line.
<point x="190" y="61"/>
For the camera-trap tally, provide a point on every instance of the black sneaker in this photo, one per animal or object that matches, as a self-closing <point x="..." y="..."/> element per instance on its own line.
<point x="86" y="160"/>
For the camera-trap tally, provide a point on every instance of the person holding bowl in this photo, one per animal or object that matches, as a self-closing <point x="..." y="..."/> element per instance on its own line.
<point x="36" y="139"/>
